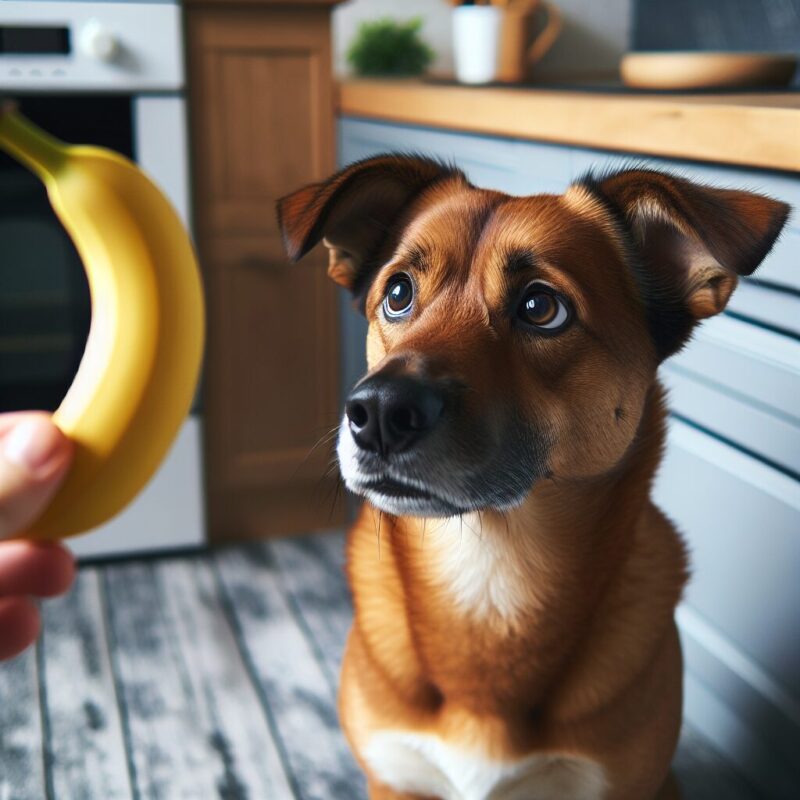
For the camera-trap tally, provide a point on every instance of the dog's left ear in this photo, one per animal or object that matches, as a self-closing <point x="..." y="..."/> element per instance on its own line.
<point x="694" y="242"/>
<point x="355" y="210"/>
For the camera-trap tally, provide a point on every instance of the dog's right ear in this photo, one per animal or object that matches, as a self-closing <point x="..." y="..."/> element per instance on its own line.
<point x="693" y="243"/>
<point x="354" y="211"/>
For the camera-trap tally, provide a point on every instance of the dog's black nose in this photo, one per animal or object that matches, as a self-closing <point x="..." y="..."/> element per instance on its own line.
<point x="390" y="414"/>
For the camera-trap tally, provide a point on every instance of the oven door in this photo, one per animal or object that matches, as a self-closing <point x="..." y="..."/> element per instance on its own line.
<point x="45" y="307"/>
<point x="44" y="299"/>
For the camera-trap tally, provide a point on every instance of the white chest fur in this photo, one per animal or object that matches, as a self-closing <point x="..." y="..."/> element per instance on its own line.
<point x="485" y="573"/>
<point x="424" y="764"/>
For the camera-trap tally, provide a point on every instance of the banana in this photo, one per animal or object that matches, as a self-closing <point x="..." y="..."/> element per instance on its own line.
<point x="135" y="383"/>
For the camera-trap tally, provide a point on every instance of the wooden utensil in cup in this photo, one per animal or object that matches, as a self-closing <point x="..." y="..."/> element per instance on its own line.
<point x="518" y="50"/>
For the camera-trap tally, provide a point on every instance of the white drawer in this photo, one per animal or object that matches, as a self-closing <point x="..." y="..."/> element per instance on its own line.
<point x="749" y="362"/>
<point x="741" y="520"/>
<point x="544" y="168"/>
<point x="733" y="417"/>
<point x="782" y="265"/>
<point x="772" y="307"/>
<point x="490" y="163"/>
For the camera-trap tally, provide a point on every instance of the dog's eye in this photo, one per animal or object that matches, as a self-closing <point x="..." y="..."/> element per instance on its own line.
<point x="399" y="296"/>
<point x="543" y="309"/>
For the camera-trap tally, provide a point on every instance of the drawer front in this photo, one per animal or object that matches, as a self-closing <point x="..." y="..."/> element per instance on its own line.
<point x="732" y="418"/>
<point x="736" y="514"/>
<point x="759" y="365"/>
<point x="490" y="163"/>
<point x="507" y="165"/>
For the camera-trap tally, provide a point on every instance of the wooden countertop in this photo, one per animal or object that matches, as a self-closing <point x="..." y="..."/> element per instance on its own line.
<point x="759" y="130"/>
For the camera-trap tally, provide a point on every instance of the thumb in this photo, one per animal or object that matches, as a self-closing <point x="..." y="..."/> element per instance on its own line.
<point x="34" y="458"/>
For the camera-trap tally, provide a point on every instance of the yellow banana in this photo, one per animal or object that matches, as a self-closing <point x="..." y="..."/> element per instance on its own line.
<point x="135" y="383"/>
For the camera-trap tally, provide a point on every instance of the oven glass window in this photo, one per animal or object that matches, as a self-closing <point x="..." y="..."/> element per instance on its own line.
<point x="45" y="308"/>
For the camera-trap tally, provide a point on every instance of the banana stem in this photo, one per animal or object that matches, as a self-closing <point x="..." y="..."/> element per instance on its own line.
<point x="29" y="144"/>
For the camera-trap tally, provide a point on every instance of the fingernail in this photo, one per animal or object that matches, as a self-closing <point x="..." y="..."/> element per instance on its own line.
<point x="31" y="444"/>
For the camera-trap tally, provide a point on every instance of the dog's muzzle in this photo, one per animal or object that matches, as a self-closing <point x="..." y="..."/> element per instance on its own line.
<point x="389" y="414"/>
<point x="392" y="436"/>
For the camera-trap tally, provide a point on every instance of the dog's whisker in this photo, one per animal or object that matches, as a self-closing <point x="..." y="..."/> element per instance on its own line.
<point x="377" y="526"/>
<point x="338" y="486"/>
<point x="473" y="531"/>
<point x="326" y="438"/>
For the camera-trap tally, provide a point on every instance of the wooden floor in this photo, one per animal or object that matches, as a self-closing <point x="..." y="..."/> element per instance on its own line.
<point x="207" y="676"/>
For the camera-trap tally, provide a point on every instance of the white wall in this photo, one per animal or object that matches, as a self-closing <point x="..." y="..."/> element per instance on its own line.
<point x="595" y="32"/>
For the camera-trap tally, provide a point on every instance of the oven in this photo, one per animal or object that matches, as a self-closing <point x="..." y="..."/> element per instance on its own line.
<point x="110" y="74"/>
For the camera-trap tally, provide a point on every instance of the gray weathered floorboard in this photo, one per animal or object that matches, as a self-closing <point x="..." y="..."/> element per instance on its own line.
<point x="313" y="576"/>
<point x="294" y="688"/>
<point x="21" y="757"/>
<point x="85" y="741"/>
<point x="178" y="742"/>
<point x="169" y="750"/>
<point x="227" y="702"/>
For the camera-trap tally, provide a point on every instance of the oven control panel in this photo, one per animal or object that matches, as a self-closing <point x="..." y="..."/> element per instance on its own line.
<point x="51" y="46"/>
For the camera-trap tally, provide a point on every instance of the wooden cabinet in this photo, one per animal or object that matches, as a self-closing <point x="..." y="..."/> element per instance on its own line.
<point x="261" y="106"/>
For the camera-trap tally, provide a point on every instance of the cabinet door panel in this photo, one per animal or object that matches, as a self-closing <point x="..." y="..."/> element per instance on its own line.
<point x="263" y="126"/>
<point x="273" y="377"/>
<point x="260" y="158"/>
<point x="263" y="79"/>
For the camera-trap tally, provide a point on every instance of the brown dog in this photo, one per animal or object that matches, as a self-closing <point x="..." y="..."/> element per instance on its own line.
<point x="514" y="585"/>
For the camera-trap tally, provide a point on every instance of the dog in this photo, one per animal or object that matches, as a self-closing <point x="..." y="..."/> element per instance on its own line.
<point x="514" y="585"/>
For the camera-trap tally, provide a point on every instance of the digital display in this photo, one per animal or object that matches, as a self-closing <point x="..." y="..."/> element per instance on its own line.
<point x="29" y="41"/>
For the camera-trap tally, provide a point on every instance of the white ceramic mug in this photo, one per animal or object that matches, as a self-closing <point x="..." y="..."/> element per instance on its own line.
<point x="476" y="43"/>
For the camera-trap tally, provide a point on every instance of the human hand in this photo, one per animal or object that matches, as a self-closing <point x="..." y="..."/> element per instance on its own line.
<point x="34" y="458"/>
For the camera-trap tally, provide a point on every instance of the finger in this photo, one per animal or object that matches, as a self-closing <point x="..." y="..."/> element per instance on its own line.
<point x="19" y="625"/>
<point x="10" y="419"/>
<point x="43" y="569"/>
<point x="34" y="458"/>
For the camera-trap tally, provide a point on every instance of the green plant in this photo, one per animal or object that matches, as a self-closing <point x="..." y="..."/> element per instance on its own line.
<point x="389" y="47"/>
